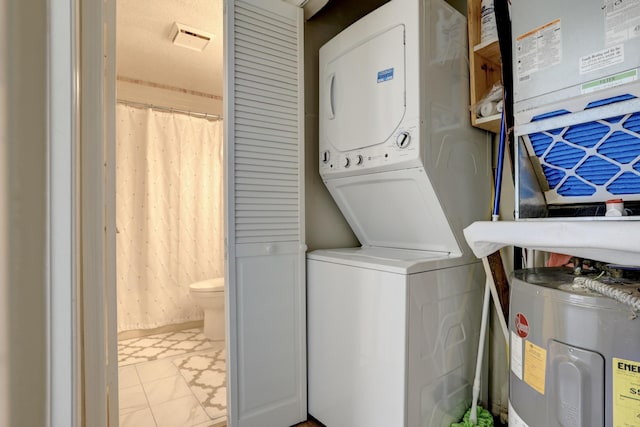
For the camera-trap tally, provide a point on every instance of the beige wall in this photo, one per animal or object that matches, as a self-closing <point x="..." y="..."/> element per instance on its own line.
<point x="23" y="136"/>
<point x="326" y="227"/>
<point x="4" y="273"/>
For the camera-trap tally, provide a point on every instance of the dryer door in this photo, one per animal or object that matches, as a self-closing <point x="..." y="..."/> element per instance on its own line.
<point x="362" y="90"/>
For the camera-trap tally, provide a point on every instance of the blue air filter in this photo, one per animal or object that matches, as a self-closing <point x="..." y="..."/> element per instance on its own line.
<point x="590" y="162"/>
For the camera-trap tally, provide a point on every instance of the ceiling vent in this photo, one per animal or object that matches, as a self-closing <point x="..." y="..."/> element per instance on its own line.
<point x="189" y="37"/>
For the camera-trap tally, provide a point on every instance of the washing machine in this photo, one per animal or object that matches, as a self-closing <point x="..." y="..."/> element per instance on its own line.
<point x="575" y="354"/>
<point x="392" y="338"/>
<point x="393" y="325"/>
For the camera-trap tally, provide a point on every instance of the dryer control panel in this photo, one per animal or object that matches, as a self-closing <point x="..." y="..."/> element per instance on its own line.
<point x="402" y="148"/>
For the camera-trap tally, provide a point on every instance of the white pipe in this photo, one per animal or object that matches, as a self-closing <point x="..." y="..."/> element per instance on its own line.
<point x="531" y="258"/>
<point x="483" y="329"/>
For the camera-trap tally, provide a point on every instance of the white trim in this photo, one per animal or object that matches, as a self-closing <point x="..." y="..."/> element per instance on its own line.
<point x="62" y="336"/>
<point x="111" y="308"/>
<point x="229" y="197"/>
<point x="312" y="7"/>
<point x="94" y="213"/>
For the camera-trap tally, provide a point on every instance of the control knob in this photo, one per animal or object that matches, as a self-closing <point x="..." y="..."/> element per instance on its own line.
<point x="325" y="156"/>
<point x="347" y="162"/>
<point x="403" y="139"/>
<point x="359" y="159"/>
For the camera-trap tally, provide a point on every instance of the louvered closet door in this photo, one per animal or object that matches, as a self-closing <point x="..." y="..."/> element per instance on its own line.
<point x="264" y="217"/>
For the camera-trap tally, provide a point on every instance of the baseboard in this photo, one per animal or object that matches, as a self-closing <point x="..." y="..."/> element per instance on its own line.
<point x="138" y="333"/>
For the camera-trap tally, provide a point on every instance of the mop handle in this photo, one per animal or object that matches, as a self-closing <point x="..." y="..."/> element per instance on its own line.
<point x="483" y="329"/>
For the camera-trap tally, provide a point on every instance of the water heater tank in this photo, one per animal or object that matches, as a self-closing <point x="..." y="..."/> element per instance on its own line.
<point x="575" y="355"/>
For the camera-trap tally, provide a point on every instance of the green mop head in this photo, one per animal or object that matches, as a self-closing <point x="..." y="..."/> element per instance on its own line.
<point x="484" y="419"/>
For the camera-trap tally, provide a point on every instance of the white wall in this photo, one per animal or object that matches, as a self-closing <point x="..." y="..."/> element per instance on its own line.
<point x="23" y="151"/>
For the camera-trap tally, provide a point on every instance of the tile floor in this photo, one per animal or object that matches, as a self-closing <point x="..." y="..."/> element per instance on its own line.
<point x="159" y="346"/>
<point x="172" y="380"/>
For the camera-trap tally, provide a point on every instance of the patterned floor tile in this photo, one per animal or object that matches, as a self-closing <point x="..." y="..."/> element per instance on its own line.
<point x="174" y="379"/>
<point x="137" y="350"/>
<point x="205" y="374"/>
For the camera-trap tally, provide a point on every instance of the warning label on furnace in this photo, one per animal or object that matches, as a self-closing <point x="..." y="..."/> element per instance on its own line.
<point x="535" y="365"/>
<point x="622" y="20"/>
<point x="626" y="393"/>
<point x="601" y="59"/>
<point x="538" y="49"/>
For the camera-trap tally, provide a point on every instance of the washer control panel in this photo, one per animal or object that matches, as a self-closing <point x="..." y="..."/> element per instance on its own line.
<point x="401" y="147"/>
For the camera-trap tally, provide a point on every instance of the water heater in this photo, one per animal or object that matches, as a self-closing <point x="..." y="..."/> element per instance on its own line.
<point x="575" y="354"/>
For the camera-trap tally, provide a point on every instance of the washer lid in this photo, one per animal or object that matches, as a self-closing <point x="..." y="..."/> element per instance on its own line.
<point x="401" y="261"/>
<point x="395" y="209"/>
<point x="209" y="285"/>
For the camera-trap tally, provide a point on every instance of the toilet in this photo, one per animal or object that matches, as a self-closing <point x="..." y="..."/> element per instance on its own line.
<point x="209" y="294"/>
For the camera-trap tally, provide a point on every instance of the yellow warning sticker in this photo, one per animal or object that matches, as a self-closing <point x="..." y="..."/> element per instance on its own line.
<point x="535" y="365"/>
<point x="626" y="393"/>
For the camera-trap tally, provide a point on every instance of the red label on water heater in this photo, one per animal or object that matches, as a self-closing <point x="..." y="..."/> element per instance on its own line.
<point x="522" y="325"/>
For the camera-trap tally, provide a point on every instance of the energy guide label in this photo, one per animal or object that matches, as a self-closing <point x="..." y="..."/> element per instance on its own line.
<point x="538" y="49"/>
<point x="626" y="393"/>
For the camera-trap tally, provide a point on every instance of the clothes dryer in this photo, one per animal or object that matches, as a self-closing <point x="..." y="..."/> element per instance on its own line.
<point x="396" y="149"/>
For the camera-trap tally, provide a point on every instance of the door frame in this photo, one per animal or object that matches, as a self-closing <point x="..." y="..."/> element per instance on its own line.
<point x="94" y="195"/>
<point x="87" y="44"/>
<point x="64" y="356"/>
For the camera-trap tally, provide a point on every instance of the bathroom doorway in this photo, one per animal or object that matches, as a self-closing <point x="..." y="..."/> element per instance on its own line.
<point x="169" y="210"/>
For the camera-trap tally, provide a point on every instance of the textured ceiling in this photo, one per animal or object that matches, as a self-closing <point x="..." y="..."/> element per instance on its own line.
<point x="145" y="51"/>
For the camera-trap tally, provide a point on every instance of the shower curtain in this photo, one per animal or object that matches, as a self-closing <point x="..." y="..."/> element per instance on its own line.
<point x="169" y="214"/>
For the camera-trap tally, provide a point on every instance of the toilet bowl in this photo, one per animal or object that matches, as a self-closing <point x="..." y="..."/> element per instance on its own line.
<point x="209" y="294"/>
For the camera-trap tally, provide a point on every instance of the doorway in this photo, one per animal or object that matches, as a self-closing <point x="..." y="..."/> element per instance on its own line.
<point x="169" y="209"/>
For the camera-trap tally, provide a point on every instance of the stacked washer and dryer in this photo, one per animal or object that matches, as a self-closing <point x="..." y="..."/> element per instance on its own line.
<point x="393" y="325"/>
